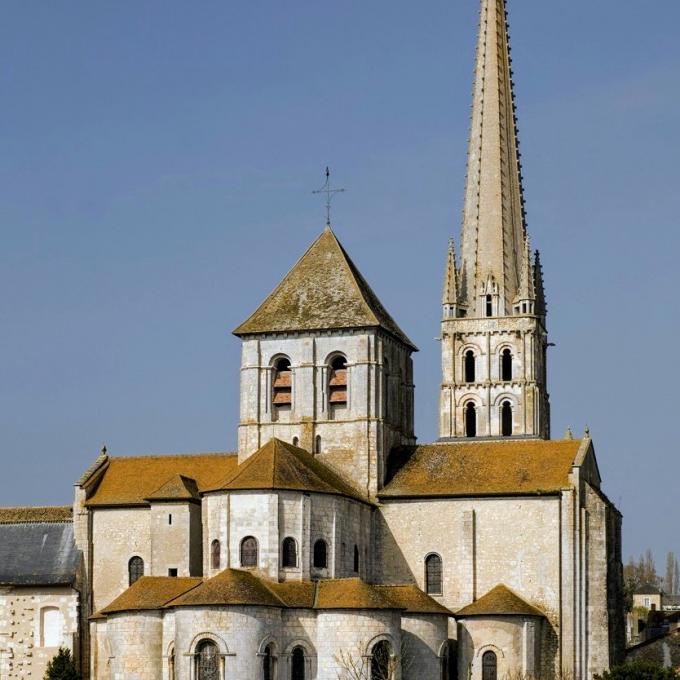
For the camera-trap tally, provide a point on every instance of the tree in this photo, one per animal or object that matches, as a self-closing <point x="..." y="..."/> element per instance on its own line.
<point x="639" y="670"/>
<point x="356" y="664"/>
<point x="62" y="667"/>
<point x="676" y="578"/>
<point x="639" y="573"/>
<point x="669" y="583"/>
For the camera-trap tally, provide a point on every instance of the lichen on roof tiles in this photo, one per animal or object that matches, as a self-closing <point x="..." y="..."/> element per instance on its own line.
<point x="279" y="465"/>
<point x="531" y="466"/>
<point x="52" y="513"/>
<point x="499" y="601"/>
<point x="150" y="592"/>
<point x="178" y="487"/>
<point x="324" y="290"/>
<point x="131" y="481"/>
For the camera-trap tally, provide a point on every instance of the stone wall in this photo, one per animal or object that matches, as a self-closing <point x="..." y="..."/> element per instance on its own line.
<point x="34" y="623"/>
<point x="423" y="638"/>
<point x="175" y="534"/>
<point x="136" y="643"/>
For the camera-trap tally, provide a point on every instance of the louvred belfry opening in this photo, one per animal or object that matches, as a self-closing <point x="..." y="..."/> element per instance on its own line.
<point x="337" y="383"/>
<point x="282" y="384"/>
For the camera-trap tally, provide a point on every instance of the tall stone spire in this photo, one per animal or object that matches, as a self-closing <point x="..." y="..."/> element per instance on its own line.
<point x="494" y="232"/>
<point x="450" y="295"/>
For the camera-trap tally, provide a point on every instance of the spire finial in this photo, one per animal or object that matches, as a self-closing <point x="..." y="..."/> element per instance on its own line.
<point x="450" y="297"/>
<point x="330" y="192"/>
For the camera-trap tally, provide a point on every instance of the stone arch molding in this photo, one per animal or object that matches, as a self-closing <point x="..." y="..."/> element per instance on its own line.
<point x="310" y="652"/>
<point x="277" y="356"/>
<point x="469" y="346"/>
<point x="382" y="637"/>
<point x="221" y="644"/>
<point x="506" y="397"/>
<point x="267" y="640"/>
<point x="334" y="355"/>
<point x="473" y="397"/>
<point x="490" y="648"/>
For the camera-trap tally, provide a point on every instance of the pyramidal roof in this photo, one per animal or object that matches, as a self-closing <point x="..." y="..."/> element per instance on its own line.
<point x="323" y="290"/>
<point x="178" y="487"/>
<point x="499" y="601"/>
<point x="282" y="466"/>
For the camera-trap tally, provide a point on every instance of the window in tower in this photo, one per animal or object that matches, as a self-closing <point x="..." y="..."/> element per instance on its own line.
<point x="282" y="383"/>
<point x="489" y="305"/>
<point x="337" y="382"/>
<point x="469" y="366"/>
<point x="506" y="419"/>
<point x="470" y="420"/>
<point x="506" y="365"/>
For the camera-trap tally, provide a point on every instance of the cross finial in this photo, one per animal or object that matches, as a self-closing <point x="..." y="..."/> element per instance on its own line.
<point x="330" y="192"/>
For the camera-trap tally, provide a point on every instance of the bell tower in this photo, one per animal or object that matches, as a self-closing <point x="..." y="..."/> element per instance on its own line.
<point x="494" y="336"/>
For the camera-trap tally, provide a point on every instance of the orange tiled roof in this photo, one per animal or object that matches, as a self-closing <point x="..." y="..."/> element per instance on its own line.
<point x="413" y="600"/>
<point x="36" y="514"/>
<point x="282" y="466"/>
<point x="130" y="481"/>
<point x="150" y="592"/>
<point x="496" y="467"/>
<point x="351" y="593"/>
<point x="500" y="601"/>
<point x="324" y="290"/>
<point x="178" y="487"/>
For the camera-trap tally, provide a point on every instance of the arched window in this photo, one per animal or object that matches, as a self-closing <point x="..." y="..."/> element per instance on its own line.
<point x="470" y="420"/>
<point x="207" y="661"/>
<point x="506" y="365"/>
<point x="337" y="382"/>
<point x="356" y="559"/>
<point x="506" y="419"/>
<point x="268" y="663"/>
<point x="296" y="441"/>
<point x="433" y="575"/>
<point x="297" y="664"/>
<point x="489" y="305"/>
<point x="51" y="627"/>
<point x="381" y="661"/>
<point x="469" y="366"/>
<point x="282" y="384"/>
<point x="489" y="666"/>
<point x="317" y="444"/>
<point x="249" y="552"/>
<point x="320" y="554"/>
<point x="215" y="554"/>
<point x="289" y="552"/>
<point x="449" y="661"/>
<point x="135" y="569"/>
<point x="171" y="664"/>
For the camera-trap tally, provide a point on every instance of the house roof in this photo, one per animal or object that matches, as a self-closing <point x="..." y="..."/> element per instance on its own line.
<point x="176" y="488"/>
<point x="42" y="514"/>
<point x="282" y="466"/>
<point x="481" y="468"/>
<point x="238" y="587"/>
<point x="499" y="601"/>
<point x="131" y="481"/>
<point x="324" y="290"/>
<point x="648" y="589"/>
<point x="150" y="592"/>
<point x="38" y="553"/>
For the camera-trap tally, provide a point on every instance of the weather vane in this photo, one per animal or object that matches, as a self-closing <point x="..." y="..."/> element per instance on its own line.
<point x="326" y="189"/>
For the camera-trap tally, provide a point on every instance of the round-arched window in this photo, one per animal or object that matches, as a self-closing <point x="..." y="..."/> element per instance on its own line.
<point x="433" y="575"/>
<point x="249" y="552"/>
<point x="289" y="552"/>
<point x="506" y="365"/>
<point x="135" y="569"/>
<point x="381" y="661"/>
<point x="337" y="381"/>
<point x="207" y="660"/>
<point x="470" y="420"/>
<point x="320" y="554"/>
<point x="215" y="554"/>
<point x="469" y="366"/>
<point x="489" y="666"/>
<point x="297" y="664"/>
<point x="506" y="419"/>
<point x="282" y="384"/>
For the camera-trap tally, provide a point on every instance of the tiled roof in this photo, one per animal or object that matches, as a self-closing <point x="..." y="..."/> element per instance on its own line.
<point x="59" y="513"/>
<point x="495" y="467"/>
<point x="324" y="290"/>
<point x="130" y="481"/>
<point x="282" y="466"/>
<point x="230" y="587"/>
<point x="500" y="601"/>
<point x="648" y="589"/>
<point x="413" y="600"/>
<point x="38" y="553"/>
<point x="178" y="487"/>
<point x="238" y="587"/>
<point x="150" y="592"/>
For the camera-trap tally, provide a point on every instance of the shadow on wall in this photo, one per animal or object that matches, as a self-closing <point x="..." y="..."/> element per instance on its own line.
<point x="391" y="565"/>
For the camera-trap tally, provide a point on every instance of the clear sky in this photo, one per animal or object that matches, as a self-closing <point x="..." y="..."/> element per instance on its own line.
<point x="156" y="167"/>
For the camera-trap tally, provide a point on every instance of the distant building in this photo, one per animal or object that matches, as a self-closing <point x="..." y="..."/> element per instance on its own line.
<point x="648" y="597"/>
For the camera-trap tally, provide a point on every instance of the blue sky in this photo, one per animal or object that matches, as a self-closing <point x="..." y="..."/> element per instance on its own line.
<point x="156" y="167"/>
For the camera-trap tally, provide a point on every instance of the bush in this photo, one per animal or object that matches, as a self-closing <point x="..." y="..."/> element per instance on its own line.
<point x="62" y="667"/>
<point x="639" y="670"/>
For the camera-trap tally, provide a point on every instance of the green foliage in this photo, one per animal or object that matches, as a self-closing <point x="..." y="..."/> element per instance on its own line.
<point x="639" y="670"/>
<point x="62" y="667"/>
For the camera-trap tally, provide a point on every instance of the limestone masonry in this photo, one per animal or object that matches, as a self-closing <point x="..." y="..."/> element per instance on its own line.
<point x="330" y="545"/>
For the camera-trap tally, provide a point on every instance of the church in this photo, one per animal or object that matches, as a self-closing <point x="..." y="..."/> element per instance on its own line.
<point x="332" y="545"/>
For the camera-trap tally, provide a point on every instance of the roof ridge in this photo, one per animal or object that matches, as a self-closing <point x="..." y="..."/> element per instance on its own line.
<point x="152" y="456"/>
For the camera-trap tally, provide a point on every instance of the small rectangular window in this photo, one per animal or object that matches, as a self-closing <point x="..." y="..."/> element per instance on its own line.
<point x="169" y="519"/>
<point x="172" y="572"/>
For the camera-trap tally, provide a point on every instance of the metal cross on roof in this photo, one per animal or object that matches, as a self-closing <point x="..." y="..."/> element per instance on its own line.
<point x="330" y="192"/>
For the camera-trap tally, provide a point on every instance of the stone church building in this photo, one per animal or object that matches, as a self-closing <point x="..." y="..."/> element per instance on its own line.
<point x="332" y="545"/>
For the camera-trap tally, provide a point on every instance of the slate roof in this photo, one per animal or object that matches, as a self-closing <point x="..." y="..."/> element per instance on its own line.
<point x="59" y="513"/>
<point x="131" y="481"/>
<point x="38" y="553"/>
<point x="238" y="587"/>
<point x="324" y="290"/>
<point x="282" y="466"/>
<point x="481" y="468"/>
<point x="499" y="601"/>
